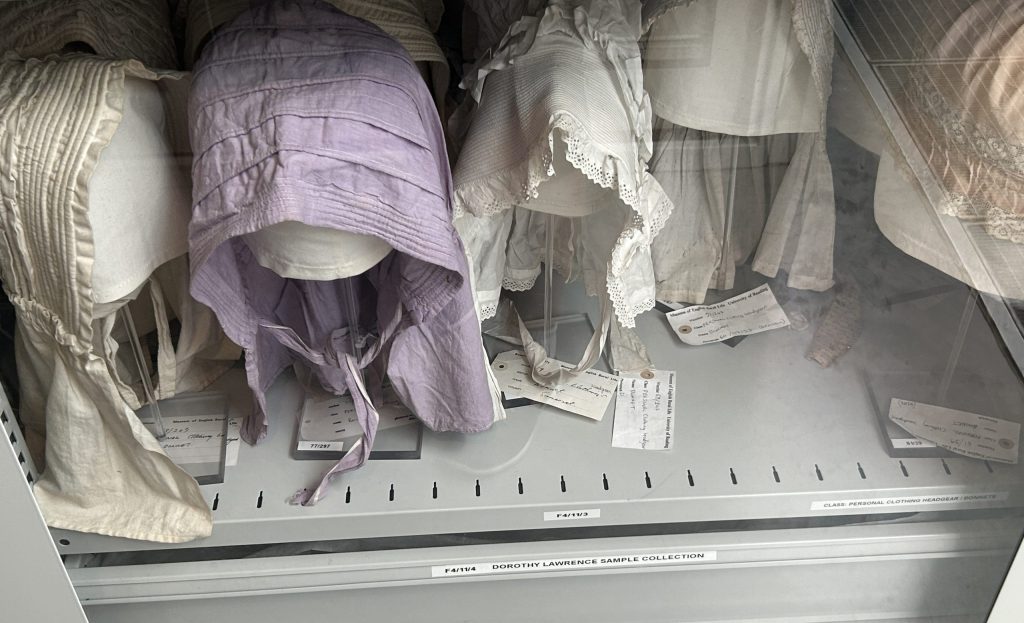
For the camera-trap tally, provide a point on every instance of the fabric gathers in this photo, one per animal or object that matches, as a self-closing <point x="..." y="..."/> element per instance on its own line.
<point x="758" y="78"/>
<point x="285" y="99"/>
<point x="104" y="472"/>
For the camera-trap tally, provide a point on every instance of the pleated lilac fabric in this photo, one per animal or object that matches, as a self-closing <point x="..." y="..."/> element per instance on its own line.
<point x="301" y="112"/>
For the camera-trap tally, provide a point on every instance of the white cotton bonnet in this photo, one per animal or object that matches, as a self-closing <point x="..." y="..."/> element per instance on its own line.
<point x="562" y="98"/>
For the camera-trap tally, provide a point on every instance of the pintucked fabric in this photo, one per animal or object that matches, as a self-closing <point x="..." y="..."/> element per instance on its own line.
<point x="412" y="22"/>
<point x="104" y="472"/>
<point x="115" y="29"/>
<point x="285" y="100"/>
<point x="724" y="187"/>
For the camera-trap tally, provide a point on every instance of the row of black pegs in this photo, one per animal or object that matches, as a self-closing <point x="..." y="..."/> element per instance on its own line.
<point x="604" y="481"/>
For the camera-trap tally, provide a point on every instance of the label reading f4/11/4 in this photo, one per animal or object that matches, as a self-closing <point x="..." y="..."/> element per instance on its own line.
<point x="585" y="513"/>
<point x="572" y="564"/>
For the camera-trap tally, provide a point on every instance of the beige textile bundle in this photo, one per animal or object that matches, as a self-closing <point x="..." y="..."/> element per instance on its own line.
<point x="115" y="29"/>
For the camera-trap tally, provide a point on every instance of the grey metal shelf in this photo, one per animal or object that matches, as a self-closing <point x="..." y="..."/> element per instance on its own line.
<point x="761" y="433"/>
<point x="846" y="573"/>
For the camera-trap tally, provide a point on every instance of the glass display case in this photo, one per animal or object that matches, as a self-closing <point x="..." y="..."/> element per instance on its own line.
<point x="646" y="310"/>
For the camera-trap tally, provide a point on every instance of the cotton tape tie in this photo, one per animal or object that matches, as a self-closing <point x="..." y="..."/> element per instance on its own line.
<point x="368" y="419"/>
<point x="544" y="371"/>
<point x="366" y="412"/>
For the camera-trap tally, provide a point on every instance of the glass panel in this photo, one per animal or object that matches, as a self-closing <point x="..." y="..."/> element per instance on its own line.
<point x="592" y="268"/>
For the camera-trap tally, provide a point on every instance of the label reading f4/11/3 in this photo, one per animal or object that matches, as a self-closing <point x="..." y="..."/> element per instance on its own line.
<point x="572" y="564"/>
<point x="585" y="513"/>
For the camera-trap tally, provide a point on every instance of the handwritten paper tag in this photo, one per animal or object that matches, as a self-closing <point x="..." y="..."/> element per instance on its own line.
<point x="746" y="314"/>
<point x="645" y="411"/>
<point x="588" y="395"/>
<point x="194" y="439"/>
<point x="965" y="433"/>
<point x="234" y="443"/>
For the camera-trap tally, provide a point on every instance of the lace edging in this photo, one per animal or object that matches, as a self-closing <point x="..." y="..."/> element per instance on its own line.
<point x="971" y="134"/>
<point x="650" y="204"/>
<point x="488" y="311"/>
<point x="997" y="222"/>
<point x="518" y="285"/>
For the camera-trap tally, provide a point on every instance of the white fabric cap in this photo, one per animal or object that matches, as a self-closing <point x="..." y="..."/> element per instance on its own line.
<point x="570" y="82"/>
<point x="298" y="251"/>
<point x="733" y="67"/>
<point x="105" y="472"/>
<point x="140" y="199"/>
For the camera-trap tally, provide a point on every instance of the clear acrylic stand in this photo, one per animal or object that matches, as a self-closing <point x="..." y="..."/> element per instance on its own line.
<point x="192" y="428"/>
<point x="139" y="356"/>
<point x="564" y="334"/>
<point x="549" y="333"/>
<point x="564" y="328"/>
<point x="946" y="385"/>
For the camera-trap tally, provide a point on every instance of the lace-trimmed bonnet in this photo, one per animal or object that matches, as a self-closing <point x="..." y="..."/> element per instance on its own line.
<point x="562" y="126"/>
<point x="115" y="29"/>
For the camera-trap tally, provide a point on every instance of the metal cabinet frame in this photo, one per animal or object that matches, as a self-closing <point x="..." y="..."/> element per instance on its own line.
<point x="837" y="573"/>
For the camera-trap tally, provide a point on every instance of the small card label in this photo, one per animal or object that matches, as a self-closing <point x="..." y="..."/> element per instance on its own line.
<point x="233" y="442"/>
<point x="960" y="499"/>
<point x="903" y="444"/>
<point x="645" y="411"/>
<point x="572" y="564"/>
<point x="969" y="434"/>
<point x="328" y="420"/>
<point x="320" y="446"/>
<point x="588" y="513"/>
<point x="746" y="314"/>
<point x="196" y="439"/>
<point x="588" y="395"/>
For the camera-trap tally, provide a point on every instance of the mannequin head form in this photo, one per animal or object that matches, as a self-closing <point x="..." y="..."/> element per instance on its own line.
<point x="296" y="250"/>
<point x="139" y="196"/>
